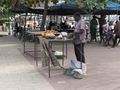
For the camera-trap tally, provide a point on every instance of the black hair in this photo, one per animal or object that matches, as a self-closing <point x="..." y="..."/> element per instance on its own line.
<point x="77" y="14"/>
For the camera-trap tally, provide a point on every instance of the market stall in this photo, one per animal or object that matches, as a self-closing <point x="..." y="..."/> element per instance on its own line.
<point x="50" y="36"/>
<point x="48" y="55"/>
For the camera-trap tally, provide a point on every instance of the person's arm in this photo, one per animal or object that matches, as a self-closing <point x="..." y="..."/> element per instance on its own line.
<point x="81" y="31"/>
<point x="116" y="27"/>
<point x="82" y="27"/>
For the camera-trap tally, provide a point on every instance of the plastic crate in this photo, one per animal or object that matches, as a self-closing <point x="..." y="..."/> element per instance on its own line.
<point x="59" y="56"/>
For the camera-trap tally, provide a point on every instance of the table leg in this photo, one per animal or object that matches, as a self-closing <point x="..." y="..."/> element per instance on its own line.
<point x="24" y="46"/>
<point x="35" y="50"/>
<point x="66" y="49"/>
<point x="63" y="53"/>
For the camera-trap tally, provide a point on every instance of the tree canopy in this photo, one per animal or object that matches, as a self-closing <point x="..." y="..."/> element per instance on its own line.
<point x="7" y="4"/>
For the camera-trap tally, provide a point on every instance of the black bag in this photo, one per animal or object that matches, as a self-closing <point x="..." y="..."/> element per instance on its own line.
<point x="76" y="35"/>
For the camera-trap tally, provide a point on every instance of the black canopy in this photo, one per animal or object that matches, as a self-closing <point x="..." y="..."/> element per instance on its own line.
<point x="61" y="11"/>
<point x="21" y="9"/>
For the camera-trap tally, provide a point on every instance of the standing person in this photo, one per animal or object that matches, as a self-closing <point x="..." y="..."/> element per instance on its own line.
<point x="50" y="24"/>
<point x="16" y="27"/>
<point x="93" y="28"/>
<point x="13" y="23"/>
<point x="79" y="45"/>
<point x="117" y="32"/>
<point x="101" y="22"/>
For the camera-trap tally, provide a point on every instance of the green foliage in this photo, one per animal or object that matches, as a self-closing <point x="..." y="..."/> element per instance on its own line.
<point x="3" y="20"/>
<point x="93" y="3"/>
<point x="42" y="1"/>
<point x="54" y="1"/>
<point x="67" y="1"/>
<point x="7" y="4"/>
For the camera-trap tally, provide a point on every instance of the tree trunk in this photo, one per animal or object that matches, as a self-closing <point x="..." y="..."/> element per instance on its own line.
<point x="44" y="15"/>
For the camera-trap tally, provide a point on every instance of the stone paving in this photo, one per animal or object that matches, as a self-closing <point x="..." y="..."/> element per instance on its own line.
<point x="18" y="71"/>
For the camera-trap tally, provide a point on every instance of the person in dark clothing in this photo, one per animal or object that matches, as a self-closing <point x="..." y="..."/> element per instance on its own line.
<point x="80" y="28"/>
<point x="16" y="27"/>
<point x="117" y="32"/>
<point x="65" y="25"/>
<point x="93" y="27"/>
<point x="50" y="24"/>
<point x="101" y="22"/>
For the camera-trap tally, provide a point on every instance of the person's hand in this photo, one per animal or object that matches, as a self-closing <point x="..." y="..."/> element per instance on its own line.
<point x="70" y="34"/>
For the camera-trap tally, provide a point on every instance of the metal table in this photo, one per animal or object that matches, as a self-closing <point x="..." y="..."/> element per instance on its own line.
<point x="63" y="41"/>
<point x="49" y="42"/>
<point x="34" y="33"/>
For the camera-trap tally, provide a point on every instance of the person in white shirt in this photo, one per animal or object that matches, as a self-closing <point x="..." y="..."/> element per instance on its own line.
<point x="108" y="32"/>
<point x="105" y="33"/>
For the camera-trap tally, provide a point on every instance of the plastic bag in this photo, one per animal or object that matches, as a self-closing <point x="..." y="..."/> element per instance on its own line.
<point x="68" y="71"/>
<point x="77" y="67"/>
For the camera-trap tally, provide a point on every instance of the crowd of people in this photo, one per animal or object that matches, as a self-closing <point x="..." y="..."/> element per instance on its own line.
<point x="107" y="30"/>
<point x="61" y="25"/>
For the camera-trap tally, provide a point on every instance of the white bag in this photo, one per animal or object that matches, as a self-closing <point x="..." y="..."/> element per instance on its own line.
<point x="77" y="67"/>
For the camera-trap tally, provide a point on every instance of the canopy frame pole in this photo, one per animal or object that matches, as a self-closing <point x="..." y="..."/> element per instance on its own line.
<point x="24" y="33"/>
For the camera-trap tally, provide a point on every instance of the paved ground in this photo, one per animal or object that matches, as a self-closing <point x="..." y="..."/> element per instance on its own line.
<point x="18" y="71"/>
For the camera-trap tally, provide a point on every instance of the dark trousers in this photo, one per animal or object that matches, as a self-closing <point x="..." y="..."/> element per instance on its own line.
<point x="79" y="52"/>
<point x="115" y="40"/>
<point x="93" y="35"/>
